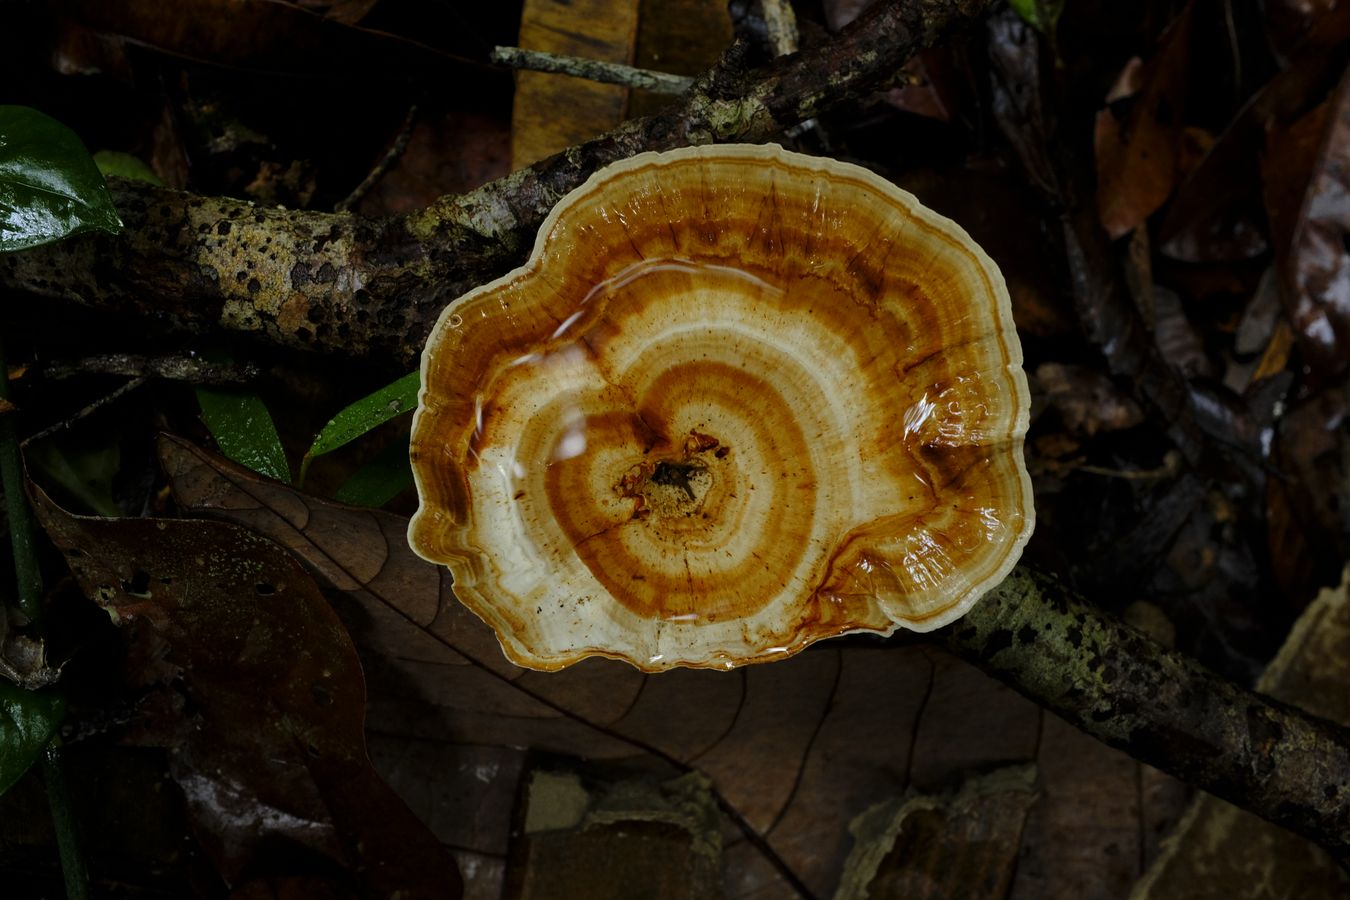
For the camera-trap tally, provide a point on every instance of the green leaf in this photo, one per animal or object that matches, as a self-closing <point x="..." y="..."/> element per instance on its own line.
<point x="363" y="415"/>
<point x="27" y="722"/>
<point x="49" y="185"/>
<point x="124" y="165"/>
<point x="380" y="480"/>
<point x="1042" y="15"/>
<point x="244" y="431"/>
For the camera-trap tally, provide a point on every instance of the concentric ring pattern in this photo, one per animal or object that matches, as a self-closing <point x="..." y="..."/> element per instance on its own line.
<point x="738" y="400"/>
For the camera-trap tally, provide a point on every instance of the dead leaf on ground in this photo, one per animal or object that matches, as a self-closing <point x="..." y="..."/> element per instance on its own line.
<point x="269" y="744"/>
<point x="263" y="35"/>
<point x="1308" y="499"/>
<point x="1087" y="400"/>
<point x="928" y="847"/>
<point x="425" y="171"/>
<point x="1137" y="152"/>
<point x="1312" y="226"/>
<point x="1302" y="25"/>
<point x="348" y="12"/>
<point x="794" y="749"/>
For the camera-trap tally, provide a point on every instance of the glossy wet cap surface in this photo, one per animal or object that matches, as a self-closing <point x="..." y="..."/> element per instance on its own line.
<point x="738" y="400"/>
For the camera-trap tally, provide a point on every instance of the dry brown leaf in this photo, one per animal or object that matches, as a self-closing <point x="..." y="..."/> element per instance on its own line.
<point x="271" y="756"/>
<point x="264" y="35"/>
<point x="1137" y="157"/>
<point x="1087" y="400"/>
<point x="932" y="847"/>
<point x="1312" y="226"/>
<point x="795" y="749"/>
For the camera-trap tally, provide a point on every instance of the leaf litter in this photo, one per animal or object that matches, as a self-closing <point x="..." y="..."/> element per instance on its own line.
<point x="263" y="697"/>
<point x="794" y="750"/>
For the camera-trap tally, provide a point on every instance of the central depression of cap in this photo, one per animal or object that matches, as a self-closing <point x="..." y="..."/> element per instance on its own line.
<point x="737" y="401"/>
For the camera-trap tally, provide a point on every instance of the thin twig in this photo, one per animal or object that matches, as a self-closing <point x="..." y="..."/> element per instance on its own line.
<point x="592" y="70"/>
<point x="172" y="368"/>
<point x="86" y="411"/>
<point x="386" y="162"/>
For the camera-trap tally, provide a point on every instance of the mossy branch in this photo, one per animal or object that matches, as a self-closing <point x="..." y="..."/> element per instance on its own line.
<point x="342" y="284"/>
<point x="1161" y="707"/>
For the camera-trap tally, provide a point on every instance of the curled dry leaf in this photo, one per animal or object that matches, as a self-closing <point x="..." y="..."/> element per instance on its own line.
<point x="1087" y="400"/>
<point x="275" y="754"/>
<point x="737" y="401"/>
<point x="1313" y="228"/>
<point x="794" y="750"/>
<point x="1137" y="156"/>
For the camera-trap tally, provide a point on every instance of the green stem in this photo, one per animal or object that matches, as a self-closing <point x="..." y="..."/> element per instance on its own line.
<point x="67" y="831"/>
<point x="30" y="601"/>
<point x="16" y="506"/>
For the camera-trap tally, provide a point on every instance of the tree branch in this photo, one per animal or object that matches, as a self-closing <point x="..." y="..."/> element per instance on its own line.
<point x="342" y="284"/>
<point x="1162" y="708"/>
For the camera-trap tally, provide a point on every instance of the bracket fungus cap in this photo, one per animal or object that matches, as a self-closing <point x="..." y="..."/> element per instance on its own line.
<point x="736" y="401"/>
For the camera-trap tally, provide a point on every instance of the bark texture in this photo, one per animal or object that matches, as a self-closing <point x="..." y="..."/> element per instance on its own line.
<point x="342" y="284"/>
<point x="1162" y="708"/>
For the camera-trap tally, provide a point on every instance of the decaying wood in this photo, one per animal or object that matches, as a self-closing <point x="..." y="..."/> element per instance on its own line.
<point x="342" y="284"/>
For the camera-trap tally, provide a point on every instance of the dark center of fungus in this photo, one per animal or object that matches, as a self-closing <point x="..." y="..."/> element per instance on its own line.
<point x="673" y="488"/>
<point x="678" y="475"/>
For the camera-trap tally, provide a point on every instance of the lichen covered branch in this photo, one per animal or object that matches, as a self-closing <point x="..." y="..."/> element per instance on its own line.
<point x="341" y="284"/>
<point x="1162" y="708"/>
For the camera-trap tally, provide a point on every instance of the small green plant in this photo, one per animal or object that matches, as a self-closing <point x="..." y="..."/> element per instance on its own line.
<point x="244" y="431"/>
<point x="50" y="189"/>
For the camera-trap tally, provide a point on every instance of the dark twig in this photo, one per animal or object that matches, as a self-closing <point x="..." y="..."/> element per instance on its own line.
<point x="85" y="411"/>
<point x="191" y="369"/>
<point x="391" y="156"/>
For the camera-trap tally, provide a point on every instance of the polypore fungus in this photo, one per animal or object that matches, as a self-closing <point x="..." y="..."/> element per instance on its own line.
<point x="737" y="400"/>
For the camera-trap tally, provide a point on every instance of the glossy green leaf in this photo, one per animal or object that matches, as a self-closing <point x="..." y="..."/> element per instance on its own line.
<point x="365" y="414"/>
<point x="1042" y="15"/>
<point x="28" y="720"/>
<point x="380" y="480"/>
<point x="244" y="431"/>
<point x="124" y="165"/>
<point x="49" y="185"/>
